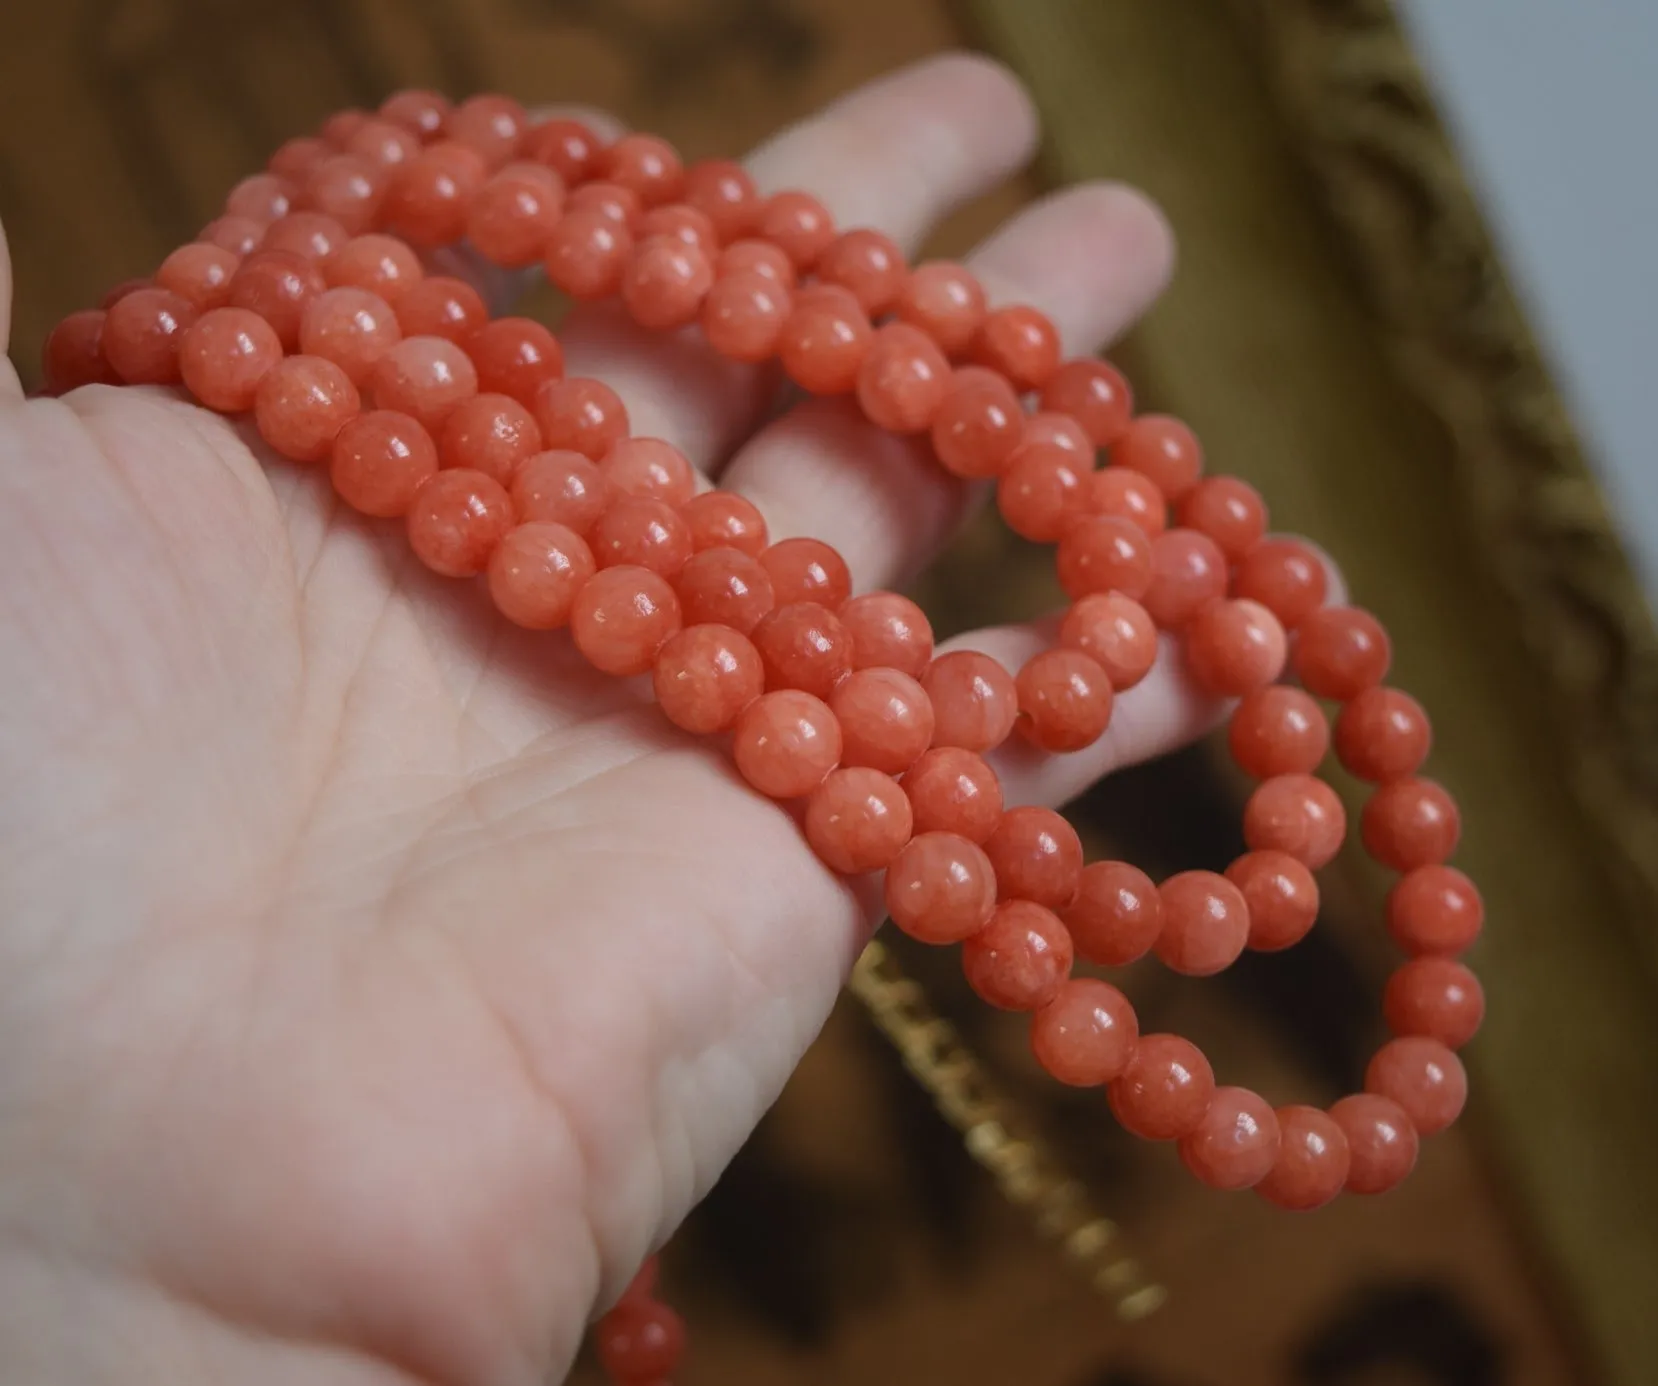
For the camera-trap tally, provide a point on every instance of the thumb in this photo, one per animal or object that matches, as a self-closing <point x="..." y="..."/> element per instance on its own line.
<point x="10" y="385"/>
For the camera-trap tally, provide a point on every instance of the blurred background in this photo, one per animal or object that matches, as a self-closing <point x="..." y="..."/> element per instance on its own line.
<point x="1343" y="334"/>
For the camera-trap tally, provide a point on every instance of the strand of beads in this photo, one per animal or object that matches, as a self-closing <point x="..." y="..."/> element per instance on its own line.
<point x="309" y="295"/>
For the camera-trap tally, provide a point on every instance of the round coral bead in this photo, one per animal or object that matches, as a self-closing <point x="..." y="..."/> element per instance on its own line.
<point x="1296" y="814"/>
<point x="1163" y="449"/>
<point x="383" y="142"/>
<point x="141" y="336"/>
<point x="566" y="146"/>
<point x="975" y="700"/>
<point x="647" y="165"/>
<point x="724" y="193"/>
<point x="786" y="742"/>
<point x="824" y="340"/>
<point x="888" y="631"/>
<point x="440" y="306"/>
<point x="1064" y="700"/>
<point x="857" y="820"/>
<point x="1116" y="632"/>
<point x="1205" y="923"/>
<point x="1021" y="343"/>
<point x="1086" y="1034"/>
<point x="1041" y="493"/>
<point x="348" y="188"/>
<point x="1188" y="573"/>
<point x="1424" y="1077"/>
<point x="535" y="573"/>
<point x="342" y="125"/>
<point x="977" y="427"/>
<point x="1278" y="731"/>
<point x="311" y="235"/>
<point x="489" y="433"/>
<point x="238" y="235"/>
<point x="867" y="263"/>
<point x="381" y="264"/>
<point x="1129" y="496"/>
<point x="640" y="532"/>
<point x="664" y="283"/>
<point x="1236" y="1144"/>
<point x="940" y="888"/>
<point x="1229" y="511"/>
<point x="799" y="225"/>
<point x="278" y="285"/>
<point x="1410" y="823"/>
<point x="1235" y="647"/>
<point x="296" y="157"/>
<point x="946" y="301"/>
<point x="427" y="201"/>
<point x="1435" y="910"/>
<point x="199" y="274"/>
<point x="1383" y="735"/>
<point x="1381" y="1142"/>
<point x="622" y="617"/>
<point x="352" y="328"/>
<point x="807" y="570"/>
<point x="886" y="719"/>
<point x="1101" y="554"/>
<point x="1282" y="897"/>
<point x="516" y="357"/>
<point x="902" y="379"/>
<point x="705" y="676"/>
<point x="264" y="196"/>
<point x="954" y="791"/>
<point x="1019" y="960"/>
<point x="757" y="257"/>
<point x="561" y="486"/>
<point x="804" y="645"/>
<point x="1286" y="577"/>
<point x="491" y="125"/>
<point x="421" y="113"/>
<point x="1117" y="913"/>
<point x="224" y="354"/>
<point x="650" y="467"/>
<point x="1095" y="394"/>
<point x="510" y="220"/>
<point x="74" y="354"/>
<point x="379" y="461"/>
<point x="1165" y="1091"/>
<point x="584" y="416"/>
<point x="456" y="519"/>
<point x="621" y="205"/>
<point x="1312" y="1164"/>
<point x="1434" y="997"/>
<point x="743" y="315"/>
<point x="723" y="519"/>
<point x="1037" y="856"/>
<point x="1341" y="651"/>
<point x="727" y="587"/>
<point x="424" y="377"/>
<point x="587" y="252"/>
<point x="1056" y="430"/>
<point x="640" y="1340"/>
<point x="301" y="405"/>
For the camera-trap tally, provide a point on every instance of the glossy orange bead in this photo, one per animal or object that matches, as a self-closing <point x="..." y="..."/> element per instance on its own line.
<point x="622" y="617"/>
<point x="1021" y="343"/>
<point x="902" y="379"/>
<point x="804" y="645"/>
<point x="724" y="193"/>
<point x="566" y="146"/>
<point x="516" y="357"/>
<point x="585" y="416"/>
<point x="857" y="820"/>
<point x="510" y="220"/>
<point x="1114" y="631"/>
<point x="705" y="676"/>
<point x="224" y="354"/>
<point x="1064" y="700"/>
<point x="888" y="631"/>
<point x="1163" y="449"/>
<point x="641" y="532"/>
<point x="646" y="165"/>
<point x="824" y="340"/>
<point x="799" y="225"/>
<point x="869" y="263"/>
<point x="743" y="315"/>
<point x="456" y="519"/>
<point x="1188" y="572"/>
<point x="1165" y="1091"/>
<point x="786" y="742"/>
<point x="1037" y="856"/>
<point x="1382" y="1144"/>
<point x="587" y="252"/>
<point x="1129" y="496"/>
<point x="1296" y="814"/>
<point x="1101" y="554"/>
<point x="1236" y="1144"/>
<point x="1410" y="823"/>
<point x="1041" y="491"/>
<point x="954" y="791"/>
<point x="1282" y="897"/>
<point x="1278" y="731"/>
<point x="621" y="206"/>
<point x="74" y="354"/>
<point x="348" y="188"/>
<point x="492" y="125"/>
<point x="650" y="467"/>
<point x="1060" y="430"/>
<point x="977" y="428"/>
<point x="277" y="285"/>
<point x="723" y="519"/>
<point x="238" y="235"/>
<point x="1205" y="923"/>
<point x="886" y="718"/>
<point x="200" y="274"/>
<point x="427" y="200"/>
<point x="383" y="142"/>
<point x="535" y="573"/>
<point x="1340" y="651"/>
<point x="640" y="1341"/>
<point x="946" y="301"/>
<point x="1437" y="998"/>
<point x="1285" y="576"/>
<point x="383" y="265"/>
<point x="296" y="157"/>
<point x="301" y="405"/>
<point x="681" y="223"/>
<point x="807" y="570"/>
<point x="1116" y="915"/>
<point x="1235" y="647"/>
<point x="1086" y="1034"/>
<point x="352" y="328"/>
<point x="342" y="125"/>
<point x="312" y="235"/>
<point x="141" y="336"/>
<point x="664" y="283"/>
<point x="725" y="586"/>
<point x="1312" y="1164"/>
<point x="1094" y="393"/>
<point x="422" y="113"/>
<point x="1435" y="909"/>
<point x="1424" y="1077"/>
<point x="975" y="700"/>
<point x="561" y="486"/>
<point x="1020" y="959"/>
<point x="493" y="434"/>
<point x="940" y="888"/>
<point x="424" y="377"/>
<point x="1229" y="511"/>
<point x="379" y="461"/>
<point x="757" y="257"/>
<point x="1383" y="735"/>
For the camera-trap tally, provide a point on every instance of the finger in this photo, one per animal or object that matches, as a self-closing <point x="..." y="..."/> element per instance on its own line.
<point x="1093" y="259"/>
<point x="10" y="387"/>
<point x="896" y="155"/>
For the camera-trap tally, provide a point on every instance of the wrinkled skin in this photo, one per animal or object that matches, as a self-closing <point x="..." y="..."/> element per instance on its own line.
<point x="380" y="984"/>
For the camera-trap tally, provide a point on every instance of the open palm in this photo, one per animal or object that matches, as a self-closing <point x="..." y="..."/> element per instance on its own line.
<point x="379" y="982"/>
